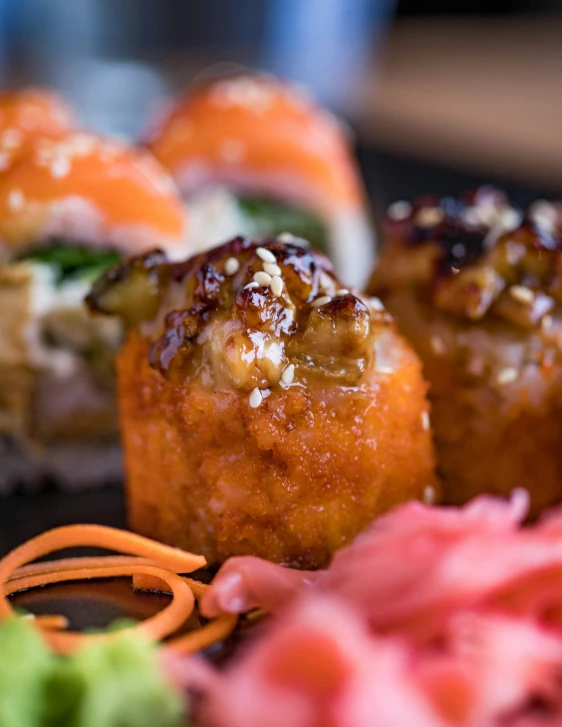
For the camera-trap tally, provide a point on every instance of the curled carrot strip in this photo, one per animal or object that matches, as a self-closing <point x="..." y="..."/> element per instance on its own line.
<point x="64" y="564"/>
<point x="152" y="565"/>
<point x="217" y="630"/>
<point x="157" y="627"/>
<point x="98" y="536"/>
<point x="142" y="582"/>
<point x="51" y="622"/>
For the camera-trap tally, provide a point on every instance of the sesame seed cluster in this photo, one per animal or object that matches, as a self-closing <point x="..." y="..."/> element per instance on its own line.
<point x="248" y="316"/>
<point x="478" y="255"/>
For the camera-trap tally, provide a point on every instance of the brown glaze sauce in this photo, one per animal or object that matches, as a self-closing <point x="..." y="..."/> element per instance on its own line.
<point x="207" y="317"/>
<point x="477" y="255"/>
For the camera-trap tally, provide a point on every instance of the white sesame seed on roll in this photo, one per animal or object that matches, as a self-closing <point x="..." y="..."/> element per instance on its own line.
<point x="71" y="205"/>
<point x="27" y="114"/>
<point x="258" y="417"/>
<point x="476" y="287"/>
<point x="92" y="191"/>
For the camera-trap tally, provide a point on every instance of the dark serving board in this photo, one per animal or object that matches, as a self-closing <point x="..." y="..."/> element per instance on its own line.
<point x="95" y="604"/>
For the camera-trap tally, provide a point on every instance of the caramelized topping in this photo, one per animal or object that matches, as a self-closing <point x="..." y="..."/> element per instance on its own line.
<point x="221" y="318"/>
<point x="131" y="290"/>
<point x="477" y="255"/>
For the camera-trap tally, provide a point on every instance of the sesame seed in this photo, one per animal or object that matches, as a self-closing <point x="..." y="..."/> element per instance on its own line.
<point x="376" y="304"/>
<point x="288" y="375"/>
<point x="276" y="285"/>
<point x="325" y="280"/>
<point x="231" y="266"/>
<point x="272" y="269"/>
<point x="382" y="369"/>
<point x="341" y="291"/>
<point x="11" y="138"/>
<point x="429" y="217"/>
<point x="509" y="220"/>
<point x="429" y="495"/>
<point x="507" y="375"/>
<point x="471" y="217"/>
<point x="232" y="151"/>
<point x="543" y="213"/>
<point x="546" y="323"/>
<point x="399" y="211"/>
<point x="60" y="167"/>
<point x="290" y="239"/>
<point x="255" y="398"/>
<point x="266" y="255"/>
<point x="425" y="420"/>
<point x="323" y="300"/>
<point x="437" y="345"/>
<point x="262" y="278"/>
<point x="250" y="286"/>
<point x="16" y="200"/>
<point x="522" y="294"/>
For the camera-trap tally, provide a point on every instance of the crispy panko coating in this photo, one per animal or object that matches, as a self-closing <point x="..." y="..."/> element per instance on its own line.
<point x="475" y="287"/>
<point x="259" y="417"/>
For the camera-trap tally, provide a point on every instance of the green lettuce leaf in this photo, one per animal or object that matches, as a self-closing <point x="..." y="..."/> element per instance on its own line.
<point x="271" y="218"/>
<point x="73" y="262"/>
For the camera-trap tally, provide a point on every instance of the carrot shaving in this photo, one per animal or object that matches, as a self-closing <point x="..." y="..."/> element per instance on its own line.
<point x="217" y="630"/>
<point x="64" y="564"/>
<point x="157" y="627"/>
<point x="99" y="536"/>
<point x="52" y="622"/>
<point x="152" y="565"/>
<point x="142" y="582"/>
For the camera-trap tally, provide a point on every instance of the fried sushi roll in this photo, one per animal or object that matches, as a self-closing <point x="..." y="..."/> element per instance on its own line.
<point x="475" y="287"/>
<point x="254" y="156"/>
<point x="264" y="408"/>
<point x="69" y="208"/>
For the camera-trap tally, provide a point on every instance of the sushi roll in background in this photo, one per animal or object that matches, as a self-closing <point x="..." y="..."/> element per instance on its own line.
<point x="476" y="288"/>
<point x="255" y="156"/>
<point x="27" y="114"/>
<point x="69" y="208"/>
<point x="265" y="409"/>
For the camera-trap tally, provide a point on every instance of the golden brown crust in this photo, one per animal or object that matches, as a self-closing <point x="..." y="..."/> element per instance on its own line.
<point x="485" y="320"/>
<point x="292" y="480"/>
<point x="274" y="419"/>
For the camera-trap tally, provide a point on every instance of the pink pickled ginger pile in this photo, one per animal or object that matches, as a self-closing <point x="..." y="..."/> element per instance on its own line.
<point x="435" y="617"/>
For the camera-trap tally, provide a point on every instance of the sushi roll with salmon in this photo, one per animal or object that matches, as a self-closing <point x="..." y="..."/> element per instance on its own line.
<point x="28" y="114"/>
<point x="265" y="409"/>
<point x="476" y="288"/>
<point x="255" y="156"/>
<point x="69" y="208"/>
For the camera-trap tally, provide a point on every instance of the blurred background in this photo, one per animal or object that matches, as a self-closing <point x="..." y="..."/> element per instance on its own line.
<point x="441" y="95"/>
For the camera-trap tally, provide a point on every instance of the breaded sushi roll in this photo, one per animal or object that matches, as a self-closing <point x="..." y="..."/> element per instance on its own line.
<point x="265" y="409"/>
<point x="28" y="114"/>
<point x="476" y="288"/>
<point x="255" y="156"/>
<point x="69" y="208"/>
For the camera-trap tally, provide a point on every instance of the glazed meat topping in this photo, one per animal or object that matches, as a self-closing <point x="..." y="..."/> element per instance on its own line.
<point x="246" y="315"/>
<point x="478" y="255"/>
